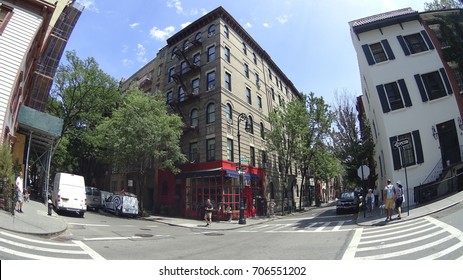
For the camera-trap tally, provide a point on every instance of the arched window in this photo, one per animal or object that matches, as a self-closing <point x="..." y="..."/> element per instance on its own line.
<point x="194" y="118"/>
<point x="186" y="44"/>
<point x="210" y="113"/>
<point x="262" y="130"/>
<point x="226" y="31"/>
<point x="211" y="30"/>
<point x="181" y="94"/>
<point x="173" y="52"/>
<point x="228" y="112"/>
<point x="198" y="36"/>
<point x="251" y="125"/>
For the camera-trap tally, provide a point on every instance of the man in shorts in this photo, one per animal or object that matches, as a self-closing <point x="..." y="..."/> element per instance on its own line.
<point x="389" y="198"/>
<point x="19" y="190"/>
<point x="208" y="212"/>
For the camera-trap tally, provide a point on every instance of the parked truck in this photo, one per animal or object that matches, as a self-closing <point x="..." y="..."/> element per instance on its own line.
<point x="68" y="193"/>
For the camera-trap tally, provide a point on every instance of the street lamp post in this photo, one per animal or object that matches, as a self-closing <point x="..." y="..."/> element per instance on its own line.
<point x="241" y="117"/>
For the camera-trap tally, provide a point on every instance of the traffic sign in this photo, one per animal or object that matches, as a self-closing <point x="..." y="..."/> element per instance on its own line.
<point x="397" y="144"/>
<point x="363" y="172"/>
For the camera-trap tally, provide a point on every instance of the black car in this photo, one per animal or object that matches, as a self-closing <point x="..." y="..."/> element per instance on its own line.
<point x="348" y="202"/>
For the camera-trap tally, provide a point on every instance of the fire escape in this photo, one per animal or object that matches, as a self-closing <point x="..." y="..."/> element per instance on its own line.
<point x="188" y="67"/>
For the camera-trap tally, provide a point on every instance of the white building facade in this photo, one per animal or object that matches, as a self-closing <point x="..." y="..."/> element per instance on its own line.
<point x="410" y="98"/>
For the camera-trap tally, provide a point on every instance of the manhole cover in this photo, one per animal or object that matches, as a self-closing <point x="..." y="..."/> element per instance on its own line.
<point x="213" y="233"/>
<point x="143" y="235"/>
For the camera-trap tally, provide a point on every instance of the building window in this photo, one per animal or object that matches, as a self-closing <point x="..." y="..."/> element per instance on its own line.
<point x="273" y="94"/>
<point x="226" y="31"/>
<point x="252" y="153"/>
<point x="259" y="103"/>
<point x="210" y="118"/>
<point x="270" y="73"/>
<point x="248" y="96"/>
<point x="254" y="58"/>
<point x="184" y="67"/>
<point x="415" y="43"/>
<point x="170" y="97"/>
<point x="228" y="81"/>
<point x="210" y="54"/>
<point x="394" y="96"/>
<point x="195" y="86"/>
<point x="210" y="81"/>
<point x="229" y="150"/>
<point x="229" y="113"/>
<point x="251" y="125"/>
<point x="5" y="15"/>
<point x="193" y="153"/>
<point x="279" y="100"/>
<point x="262" y="130"/>
<point x="172" y="55"/>
<point x="257" y="80"/>
<point x="227" y="54"/>
<point x="198" y="37"/>
<point x="245" y="49"/>
<point x="409" y="154"/>
<point x="432" y="86"/>
<point x="246" y="70"/>
<point x="197" y="59"/>
<point x="211" y="30"/>
<point x="170" y="78"/>
<point x="186" y="44"/>
<point x="194" y="118"/>
<point x="181" y="94"/>
<point x="210" y="149"/>
<point x="378" y="52"/>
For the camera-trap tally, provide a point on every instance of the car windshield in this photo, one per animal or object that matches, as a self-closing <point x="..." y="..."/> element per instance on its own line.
<point x="347" y="195"/>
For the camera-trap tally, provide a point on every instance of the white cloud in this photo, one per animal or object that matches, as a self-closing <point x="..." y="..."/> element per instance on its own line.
<point x="124" y="48"/>
<point x="183" y="25"/>
<point x="127" y="62"/>
<point x="141" y="52"/>
<point x="266" y="25"/>
<point x="89" y="5"/>
<point x="247" y="25"/>
<point x="163" y="34"/>
<point x="282" y="19"/>
<point x="135" y="24"/>
<point x="177" y="4"/>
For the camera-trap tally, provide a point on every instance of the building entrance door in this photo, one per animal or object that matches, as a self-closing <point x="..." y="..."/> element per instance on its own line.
<point x="448" y="139"/>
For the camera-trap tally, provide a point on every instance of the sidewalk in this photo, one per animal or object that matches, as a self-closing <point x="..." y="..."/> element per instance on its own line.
<point x="376" y="218"/>
<point x="35" y="219"/>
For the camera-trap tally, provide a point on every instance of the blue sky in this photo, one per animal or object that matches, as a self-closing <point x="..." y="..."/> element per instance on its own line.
<point x="124" y="35"/>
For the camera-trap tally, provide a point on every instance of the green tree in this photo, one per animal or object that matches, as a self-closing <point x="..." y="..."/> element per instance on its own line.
<point x="82" y="95"/>
<point x="442" y="4"/>
<point x="7" y="174"/>
<point x="141" y="136"/>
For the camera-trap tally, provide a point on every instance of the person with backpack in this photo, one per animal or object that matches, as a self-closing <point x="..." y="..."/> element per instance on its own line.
<point x="399" y="199"/>
<point x="389" y="198"/>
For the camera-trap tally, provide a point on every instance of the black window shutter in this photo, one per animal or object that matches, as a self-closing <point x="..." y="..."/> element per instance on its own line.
<point x="388" y="49"/>
<point x="446" y="81"/>
<point x="369" y="56"/>
<point x="418" y="146"/>
<point x="420" y="85"/>
<point x="403" y="44"/>
<point x="383" y="99"/>
<point x="427" y="39"/>
<point x="405" y="94"/>
<point x="395" y="154"/>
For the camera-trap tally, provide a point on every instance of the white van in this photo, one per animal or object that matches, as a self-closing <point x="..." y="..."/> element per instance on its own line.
<point x="68" y="193"/>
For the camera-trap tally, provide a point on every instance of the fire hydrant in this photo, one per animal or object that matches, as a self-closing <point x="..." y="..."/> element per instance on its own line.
<point x="50" y="206"/>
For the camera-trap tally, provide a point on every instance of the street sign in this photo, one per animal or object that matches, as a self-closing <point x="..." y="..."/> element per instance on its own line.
<point x="401" y="143"/>
<point x="363" y="172"/>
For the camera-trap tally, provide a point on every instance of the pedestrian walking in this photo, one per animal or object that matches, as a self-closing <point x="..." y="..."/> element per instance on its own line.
<point x="399" y="200"/>
<point x="208" y="212"/>
<point x="19" y="191"/>
<point x="389" y="195"/>
<point x="376" y="193"/>
<point x="370" y="200"/>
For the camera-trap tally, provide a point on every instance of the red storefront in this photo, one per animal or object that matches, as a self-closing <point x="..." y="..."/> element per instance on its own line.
<point x="185" y="193"/>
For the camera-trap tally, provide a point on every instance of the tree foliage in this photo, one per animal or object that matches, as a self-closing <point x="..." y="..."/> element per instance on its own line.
<point x="82" y="95"/>
<point x="442" y="4"/>
<point x="141" y="135"/>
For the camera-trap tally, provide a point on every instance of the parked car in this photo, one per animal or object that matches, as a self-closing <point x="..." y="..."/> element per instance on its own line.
<point x="122" y="204"/>
<point x="348" y="202"/>
<point x="93" y="198"/>
<point x="68" y="193"/>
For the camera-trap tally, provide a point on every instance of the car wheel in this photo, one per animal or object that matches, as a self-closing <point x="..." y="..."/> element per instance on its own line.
<point x="117" y="212"/>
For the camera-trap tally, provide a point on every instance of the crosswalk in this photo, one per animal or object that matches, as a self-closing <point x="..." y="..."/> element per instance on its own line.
<point x="307" y="227"/>
<point x="14" y="246"/>
<point x="421" y="239"/>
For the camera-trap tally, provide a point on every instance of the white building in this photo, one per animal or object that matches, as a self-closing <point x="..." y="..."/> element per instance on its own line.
<point x="410" y="98"/>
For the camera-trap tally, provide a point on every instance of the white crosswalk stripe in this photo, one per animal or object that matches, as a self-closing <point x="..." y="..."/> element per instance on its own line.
<point x="36" y="249"/>
<point x="312" y="227"/>
<point x="426" y="238"/>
